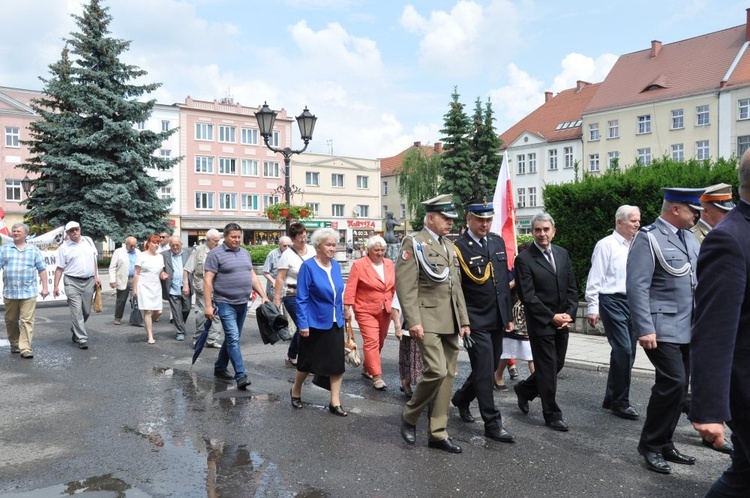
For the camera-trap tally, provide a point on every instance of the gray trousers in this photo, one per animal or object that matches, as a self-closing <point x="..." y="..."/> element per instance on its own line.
<point x="122" y="299"/>
<point x="180" y="308"/>
<point x="80" y="295"/>
<point x="214" y="333"/>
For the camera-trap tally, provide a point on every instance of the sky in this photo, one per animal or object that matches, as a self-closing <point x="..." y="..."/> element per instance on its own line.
<point x="378" y="74"/>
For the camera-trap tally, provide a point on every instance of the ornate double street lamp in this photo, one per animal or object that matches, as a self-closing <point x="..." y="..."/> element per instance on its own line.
<point x="27" y="186"/>
<point x="306" y="122"/>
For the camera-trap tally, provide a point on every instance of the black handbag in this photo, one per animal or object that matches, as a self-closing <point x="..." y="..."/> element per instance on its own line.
<point x="136" y="317"/>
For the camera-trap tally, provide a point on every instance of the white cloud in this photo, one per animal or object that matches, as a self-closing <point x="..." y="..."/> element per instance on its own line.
<point x="519" y="97"/>
<point x="580" y="67"/>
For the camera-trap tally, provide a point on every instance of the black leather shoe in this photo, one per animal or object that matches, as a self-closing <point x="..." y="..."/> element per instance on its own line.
<point x="497" y="433"/>
<point x="464" y="413"/>
<point x="628" y="413"/>
<point x="674" y="456"/>
<point x="523" y="403"/>
<point x="243" y="383"/>
<point x="445" y="445"/>
<point x="408" y="432"/>
<point x="558" y="425"/>
<point x="727" y="447"/>
<point x="337" y="410"/>
<point x="296" y="402"/>
<point x="655" y="462"/>
<point x="606" y="404"/>
<point x="223" y="374"/>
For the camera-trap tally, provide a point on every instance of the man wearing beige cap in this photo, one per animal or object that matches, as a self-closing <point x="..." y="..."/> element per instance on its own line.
<point x="716" y="202"/>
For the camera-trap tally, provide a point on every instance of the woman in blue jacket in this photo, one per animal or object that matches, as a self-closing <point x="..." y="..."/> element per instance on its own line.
<point x="320" y="317"/>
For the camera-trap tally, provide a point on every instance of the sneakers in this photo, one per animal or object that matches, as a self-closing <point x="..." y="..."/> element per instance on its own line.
<point x="180" y="337"/>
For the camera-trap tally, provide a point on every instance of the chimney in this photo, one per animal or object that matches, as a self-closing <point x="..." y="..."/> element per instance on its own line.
<point x="438" y="147"/>
<point x="747" y="25"/>
<point x="655" y="48"/>
<point x="547" y="96"/>
<point x="417" y="144"/>
<point x="580" y="84"/>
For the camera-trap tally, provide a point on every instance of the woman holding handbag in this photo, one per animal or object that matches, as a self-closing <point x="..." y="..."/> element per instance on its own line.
<point x="320" y="317"/>
<point x="147" y="285"/>
<point x="369" y="291"/>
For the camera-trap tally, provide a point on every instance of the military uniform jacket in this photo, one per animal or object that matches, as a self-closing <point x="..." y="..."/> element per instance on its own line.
<point x="700" y="230"/>
<point x="434" y="305"/>
<point x="659" y="301"/>
<point x="484" y="280"/>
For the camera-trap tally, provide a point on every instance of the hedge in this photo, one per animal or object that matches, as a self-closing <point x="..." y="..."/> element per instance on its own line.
<point x="584" y="211"/>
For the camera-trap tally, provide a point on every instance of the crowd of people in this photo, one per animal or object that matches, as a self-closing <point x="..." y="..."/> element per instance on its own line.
<point x="679" y="287"/>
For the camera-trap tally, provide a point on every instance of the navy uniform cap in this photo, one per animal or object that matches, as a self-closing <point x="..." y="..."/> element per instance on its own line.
<point x="480" y="207"/>
<point x="689" y="196"/>
<point x="442" y="204"/>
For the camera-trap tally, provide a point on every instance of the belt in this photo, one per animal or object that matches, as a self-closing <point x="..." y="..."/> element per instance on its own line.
<point x="79" y="278"/>
<point x="618" y="295"/>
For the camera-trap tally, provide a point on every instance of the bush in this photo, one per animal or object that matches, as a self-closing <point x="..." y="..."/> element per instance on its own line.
<point x="259" y="253"/>
<point x="584" y="211"/>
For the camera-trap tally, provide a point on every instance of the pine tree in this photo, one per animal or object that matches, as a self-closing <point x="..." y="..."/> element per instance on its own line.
<point x="457" y="157"/>
<point x="87" y="143"/>
<point x="486" y="147"/>
<point x="419" y="180"/>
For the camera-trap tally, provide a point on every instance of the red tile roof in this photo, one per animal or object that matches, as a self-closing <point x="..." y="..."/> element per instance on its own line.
<point x="564" y="107"/>
<point x="689" y="67"/>
<point x="390" y="166"/>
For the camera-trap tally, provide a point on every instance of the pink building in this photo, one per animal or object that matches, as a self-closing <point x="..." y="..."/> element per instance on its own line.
<point x="227" y="172"/>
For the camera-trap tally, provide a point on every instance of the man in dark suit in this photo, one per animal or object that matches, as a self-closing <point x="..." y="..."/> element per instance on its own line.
<point x="484" y="280"/>
<point x="660" y="282"/>
<point x="429" y="289"/>
<point x="720" y="343"/>
<point x="547" y="286"/>
<point x="175" y="288"/>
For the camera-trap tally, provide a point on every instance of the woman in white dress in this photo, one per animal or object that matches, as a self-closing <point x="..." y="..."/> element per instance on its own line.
<point x="147" y="285"/>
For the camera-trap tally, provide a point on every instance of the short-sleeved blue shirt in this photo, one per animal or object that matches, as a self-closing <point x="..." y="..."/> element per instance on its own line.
<point x="233" y="279"/>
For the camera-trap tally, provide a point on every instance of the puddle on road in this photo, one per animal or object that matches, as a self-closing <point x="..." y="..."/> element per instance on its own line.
<point x="105" y="486"/>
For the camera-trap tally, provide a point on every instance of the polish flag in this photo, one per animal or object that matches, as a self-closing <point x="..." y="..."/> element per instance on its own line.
<point x="504" y="222"/>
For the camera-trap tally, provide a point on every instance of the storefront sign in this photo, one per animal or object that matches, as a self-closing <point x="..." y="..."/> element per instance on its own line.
<point x="361" y="224"/>
<point x="316" y="224"/>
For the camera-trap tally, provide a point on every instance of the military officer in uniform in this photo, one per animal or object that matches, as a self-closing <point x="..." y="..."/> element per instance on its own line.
<point x="428" y="283"/>
<point x="486" y="288"/>
<point x="660" y="283"/>
<point x="716" y="202"/>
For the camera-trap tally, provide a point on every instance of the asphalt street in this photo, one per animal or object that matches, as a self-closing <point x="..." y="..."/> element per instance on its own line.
<point x="128" y="419"/>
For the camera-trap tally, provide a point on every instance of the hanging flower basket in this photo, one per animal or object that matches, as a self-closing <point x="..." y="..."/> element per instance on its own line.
<point x="282" y="211"/>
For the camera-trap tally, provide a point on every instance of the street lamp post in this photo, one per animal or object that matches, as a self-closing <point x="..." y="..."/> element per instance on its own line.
<point x="306" y="122"/>
<point x="26" y="185"/>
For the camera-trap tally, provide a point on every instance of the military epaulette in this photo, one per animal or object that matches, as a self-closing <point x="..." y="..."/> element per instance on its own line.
<point x="648" y="228"/>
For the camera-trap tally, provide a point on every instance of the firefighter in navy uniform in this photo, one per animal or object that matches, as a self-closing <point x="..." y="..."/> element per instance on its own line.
<point x="486" y="287"/>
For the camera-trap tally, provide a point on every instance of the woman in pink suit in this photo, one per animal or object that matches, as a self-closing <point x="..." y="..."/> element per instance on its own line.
<point x="369" y="290"/>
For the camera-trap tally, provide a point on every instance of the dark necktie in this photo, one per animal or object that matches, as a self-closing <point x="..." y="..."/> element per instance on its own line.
<point x="681" y="236"/>
<point x="548" y="255"/>
<point x="481" y="242"/>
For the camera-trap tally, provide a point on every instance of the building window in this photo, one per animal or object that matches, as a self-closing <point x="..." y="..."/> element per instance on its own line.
<point x="164" y="125"/>
<point x="12" y="136"/>
<point x="553" y="159"/>
<point x="204" y="200"/>
<point x="701" y="150"/>
<point x="385" y="188"/>
<point x="271" y="169"/>
<point x="273" y="140"/>
<point x="312" y="178"/>
<point x="363" y="181"/>
<point x="678" y="119"/>
<point x="249" y="167"/>
<point x="613" y="159"/>
<point x="337" y="210"/>
<point x="743" y="109"/>
<point x="227" y="134"/>
<point x="140" y="125"/>
<point x="521" y="161"/>
<point x="594" y="132"/>
<point x="743" y="143"/>
<point x="250" y="202"/>
<point x="613" y="128"/>
<point x="644" y="124"/>
<point x="403" y="211"/>
<point x="249" y="136"/>
<point x="228" y="201"/>
<point x="204" y="131"/>
<point x="568" y="151"/>
<point x="678" y="152"/>
<point x="532" y="196"/>
<point x="204" y="164"/>
<point x="337" y="180"/>
<point x="12" y="190"/>
<point x="270" y="200"/>
<point x="593" y="162"/>
<point x="701" y="116"/>
<point x="363" y="211"/>
<point x="644" y="156"/>
<point x="314" y="207"/>
<point x="227" y="166"/>
<point x="165" y="193"/>
<point x="532" y="162"/>
<point x="165" y="153"/>
<point x="521" y="202"/>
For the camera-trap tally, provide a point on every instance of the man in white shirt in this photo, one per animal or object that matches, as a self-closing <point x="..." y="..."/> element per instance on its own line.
<point x="606" y="297"/>
<point x="77" y="258"/>
<point x="121" y="271"/>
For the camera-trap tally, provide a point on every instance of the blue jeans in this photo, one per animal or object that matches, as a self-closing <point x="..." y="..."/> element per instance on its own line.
<point x="615" y="315"/>
<point x="290" y="304"/>
<point x="232" y="318"/>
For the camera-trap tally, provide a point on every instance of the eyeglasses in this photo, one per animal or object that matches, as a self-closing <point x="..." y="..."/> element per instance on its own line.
<point x="162" y="236"/>
<point x="286" y="245"/>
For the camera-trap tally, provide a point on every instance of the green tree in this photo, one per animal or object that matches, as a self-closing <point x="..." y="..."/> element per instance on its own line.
<point x="86" y="140"/>
<point x="457" y="158"/>
<point x="419" y="180"/>
<point x="485" y="147"/>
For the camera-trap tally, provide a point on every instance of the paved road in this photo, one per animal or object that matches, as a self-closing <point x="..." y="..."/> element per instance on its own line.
<point x="134" y="420"/>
